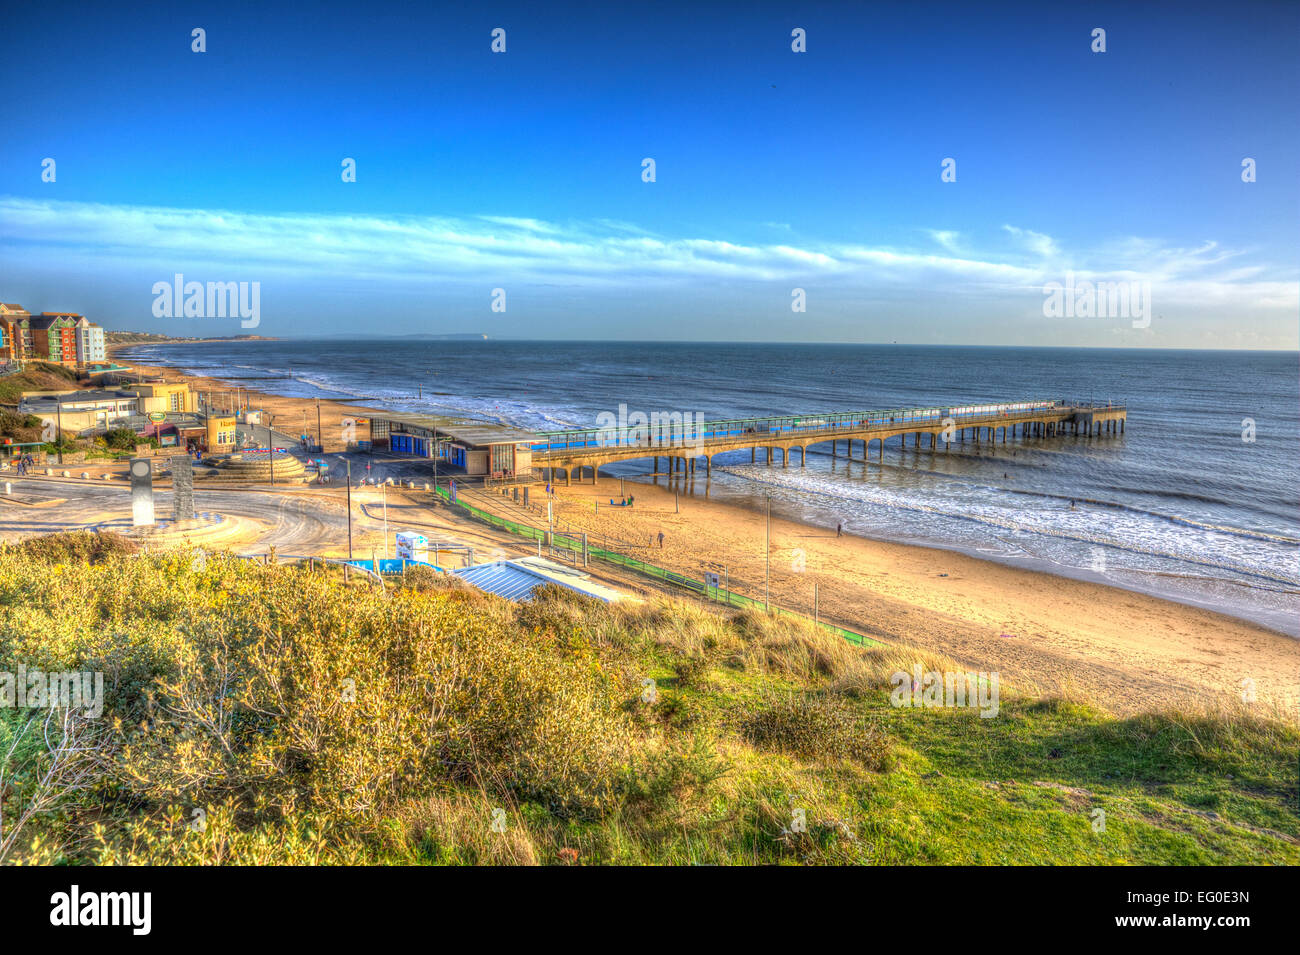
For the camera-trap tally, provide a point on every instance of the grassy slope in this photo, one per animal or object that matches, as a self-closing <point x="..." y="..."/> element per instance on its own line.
<point x="467" y="703"/>
<point x="37" y="377"/>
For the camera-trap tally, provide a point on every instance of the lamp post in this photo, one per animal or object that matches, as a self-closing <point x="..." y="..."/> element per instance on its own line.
<point x="270" y="452"/>
<point x="58" y="428"/>
<point x="767" y="556"/>
<point x="349" y="464"/>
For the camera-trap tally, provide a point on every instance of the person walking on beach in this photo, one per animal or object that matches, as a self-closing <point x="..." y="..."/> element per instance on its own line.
<point x="661" y="539"/>
<point x="839" y="529"/>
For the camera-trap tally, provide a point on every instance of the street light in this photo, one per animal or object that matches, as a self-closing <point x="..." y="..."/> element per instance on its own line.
<point x="349" y="464"/>
<point x="767" y="556"/>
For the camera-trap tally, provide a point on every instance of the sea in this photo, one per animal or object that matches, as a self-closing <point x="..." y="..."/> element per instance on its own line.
<point x="1198" y="501"/>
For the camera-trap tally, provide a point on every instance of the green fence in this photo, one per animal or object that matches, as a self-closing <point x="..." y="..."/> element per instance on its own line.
<point x="698" y="587"/>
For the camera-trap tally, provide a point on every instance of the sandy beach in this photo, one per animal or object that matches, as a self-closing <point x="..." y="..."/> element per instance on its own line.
<point x="1122" y="650"/>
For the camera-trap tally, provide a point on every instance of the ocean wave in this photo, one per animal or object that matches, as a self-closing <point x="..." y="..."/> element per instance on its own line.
<point x="814" y="488"/>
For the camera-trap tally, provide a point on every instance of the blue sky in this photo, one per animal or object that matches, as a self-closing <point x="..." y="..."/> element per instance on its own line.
<point x="775" y="169"/>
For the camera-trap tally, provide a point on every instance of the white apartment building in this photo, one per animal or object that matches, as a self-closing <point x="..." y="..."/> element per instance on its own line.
<point x="90" y="343"/>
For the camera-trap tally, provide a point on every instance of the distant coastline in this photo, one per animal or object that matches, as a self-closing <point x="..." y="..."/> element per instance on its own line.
<point x="115" y="341"/>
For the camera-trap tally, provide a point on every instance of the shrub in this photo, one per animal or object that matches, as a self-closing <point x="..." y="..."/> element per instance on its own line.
<point x="75" y="547"/>
<point x="818" y="728"/>
<point x="123" y="439"/>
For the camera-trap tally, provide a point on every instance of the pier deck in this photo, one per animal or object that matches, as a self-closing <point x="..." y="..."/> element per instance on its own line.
<point x="683" y="441"/>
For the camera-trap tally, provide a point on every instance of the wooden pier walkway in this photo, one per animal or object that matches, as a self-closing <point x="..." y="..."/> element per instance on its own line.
<point x="684" y="441"/>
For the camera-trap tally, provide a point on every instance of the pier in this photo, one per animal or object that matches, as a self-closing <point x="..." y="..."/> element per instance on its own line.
<point x="684" y="443"/>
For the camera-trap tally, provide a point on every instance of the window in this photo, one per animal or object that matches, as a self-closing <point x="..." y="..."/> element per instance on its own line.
<point x="503" y="457"/>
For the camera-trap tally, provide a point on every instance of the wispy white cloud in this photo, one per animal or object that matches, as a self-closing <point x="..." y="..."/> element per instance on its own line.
<point x="502" y="249"/>
<point x="1037" y="243"/>
<point x="946" y="238"/>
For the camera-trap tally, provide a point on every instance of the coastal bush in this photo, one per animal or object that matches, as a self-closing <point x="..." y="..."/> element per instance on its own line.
<point x="75" y="547"/>
<point x="301" y="720"/>
<point x="818" y="728"/>
<point x="422" y="579"/>
<point x="122" y="439"/>
<point x="20" y="427"/>
<point x="872" y="668"/>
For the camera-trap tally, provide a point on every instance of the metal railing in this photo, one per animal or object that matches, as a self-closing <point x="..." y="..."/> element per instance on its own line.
<point x="698" y="587"/>
<point x="638" y="431"/>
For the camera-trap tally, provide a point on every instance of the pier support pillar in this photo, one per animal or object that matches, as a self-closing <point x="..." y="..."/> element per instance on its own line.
<point x="753" y="455"/>
<point x="803" y="456"/>
<point x="568" y="477"/>
<point x="708" y="464"/>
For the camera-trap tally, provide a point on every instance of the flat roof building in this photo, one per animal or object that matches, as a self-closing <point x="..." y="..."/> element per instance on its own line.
<point x="478" y="447"/>
<point x="79" y="410"/>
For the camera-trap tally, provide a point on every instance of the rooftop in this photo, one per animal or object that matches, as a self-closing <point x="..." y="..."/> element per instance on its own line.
<point x="473" y="433"/>
<point x="74" y="397"/>
<point x="517" y="579"/>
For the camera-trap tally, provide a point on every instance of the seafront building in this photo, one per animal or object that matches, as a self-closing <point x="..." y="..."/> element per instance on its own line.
<point x="480" y="448"/>
<point x="165" y="397"/>
<point x="54" y="337"/>
<point x="15" y="332"/>
<point x="63" y="338"/>
<point x="79" y="410"/>
<point x="90" y="344"/>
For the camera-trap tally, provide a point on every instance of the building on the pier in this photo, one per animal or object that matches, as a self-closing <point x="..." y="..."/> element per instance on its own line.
<point x="476" y="447"/>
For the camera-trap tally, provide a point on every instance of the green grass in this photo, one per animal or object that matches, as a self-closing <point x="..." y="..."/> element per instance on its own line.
<point x="225" y="683"/>
<point x="38" y="376"/>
